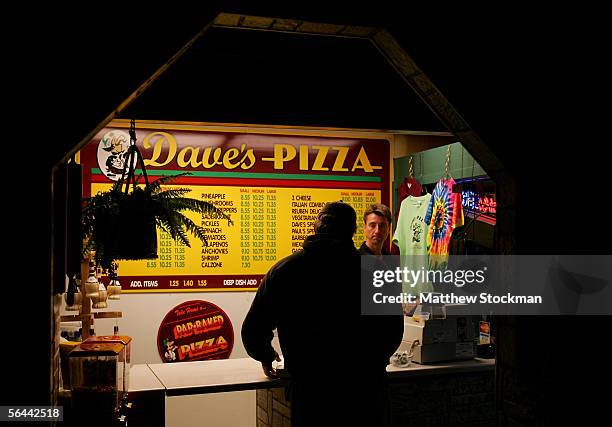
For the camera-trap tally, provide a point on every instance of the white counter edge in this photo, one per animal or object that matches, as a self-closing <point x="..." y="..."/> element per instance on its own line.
<point x="144" y="377"/>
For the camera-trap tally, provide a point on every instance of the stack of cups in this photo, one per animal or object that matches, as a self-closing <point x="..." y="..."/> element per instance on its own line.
<point x="91" y="284"/>
<point x="114" y="289"/>
<point x="99" y="300"/>
<point x="76" y="306"/>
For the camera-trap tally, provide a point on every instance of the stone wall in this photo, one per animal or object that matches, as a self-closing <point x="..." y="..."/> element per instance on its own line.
<point x="550" y="370"/>
<point x="444" y="400"/>
<point x="273" y="410"/>
<point x="55" y="351"/>
<point x="466" y="399"/>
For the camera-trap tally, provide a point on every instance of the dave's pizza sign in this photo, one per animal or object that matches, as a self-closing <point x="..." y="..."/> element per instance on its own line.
<point x="195" y="330"/>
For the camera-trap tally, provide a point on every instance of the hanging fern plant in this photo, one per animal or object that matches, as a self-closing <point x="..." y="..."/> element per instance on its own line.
<point x="117" y="225"/>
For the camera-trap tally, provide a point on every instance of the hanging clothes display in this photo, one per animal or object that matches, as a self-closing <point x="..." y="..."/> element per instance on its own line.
<point x="411" y="237"/>
<point x="444" y="214"/>
<point x="411" y="232"/>
<point x="409" y="187"/>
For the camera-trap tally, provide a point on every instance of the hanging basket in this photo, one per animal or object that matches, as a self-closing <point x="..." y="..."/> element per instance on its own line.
<point x="136" y="235"/>
<point x="132" y="227"/>
<point x="122" y="223"/>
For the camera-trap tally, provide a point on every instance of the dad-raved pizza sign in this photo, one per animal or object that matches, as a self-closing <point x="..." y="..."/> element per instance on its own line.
<point x="195" y="330"/>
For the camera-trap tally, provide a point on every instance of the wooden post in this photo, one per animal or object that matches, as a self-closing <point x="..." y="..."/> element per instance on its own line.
<point x="87" y="321"/>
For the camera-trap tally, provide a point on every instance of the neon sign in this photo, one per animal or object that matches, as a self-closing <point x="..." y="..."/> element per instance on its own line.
<point x="479" y="203"/>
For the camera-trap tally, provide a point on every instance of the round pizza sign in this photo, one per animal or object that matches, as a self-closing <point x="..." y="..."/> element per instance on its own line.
<point x="195" y="330"/>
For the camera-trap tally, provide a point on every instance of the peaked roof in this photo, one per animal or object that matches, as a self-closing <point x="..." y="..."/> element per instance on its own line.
<point x="253" y="69"/>
<point x="264" y="77"/>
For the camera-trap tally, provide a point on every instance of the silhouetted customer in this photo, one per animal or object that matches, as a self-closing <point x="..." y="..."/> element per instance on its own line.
<point x="335" y="356"/>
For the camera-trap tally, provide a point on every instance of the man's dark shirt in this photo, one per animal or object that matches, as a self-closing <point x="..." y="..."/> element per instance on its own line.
<point x="389" y="262"/>
<point x="365" y="250"/>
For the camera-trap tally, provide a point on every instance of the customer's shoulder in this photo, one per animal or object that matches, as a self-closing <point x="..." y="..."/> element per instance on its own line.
<point x="289" y="261"/>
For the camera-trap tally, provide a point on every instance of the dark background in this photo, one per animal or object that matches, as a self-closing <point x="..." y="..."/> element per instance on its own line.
<point x="529" y="81"/>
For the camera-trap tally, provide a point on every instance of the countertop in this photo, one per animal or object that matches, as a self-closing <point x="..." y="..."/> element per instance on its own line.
<point x="214" y="376"/>
<point x="142" y="379"/>
<point x="453" y="367"/>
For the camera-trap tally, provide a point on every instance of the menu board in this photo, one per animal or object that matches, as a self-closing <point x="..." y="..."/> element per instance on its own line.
<point x="272" y="208"/>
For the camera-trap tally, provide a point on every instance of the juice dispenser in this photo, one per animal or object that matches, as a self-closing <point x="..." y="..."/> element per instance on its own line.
<point x="97" y="381"/>
<point x="125" y="356"/>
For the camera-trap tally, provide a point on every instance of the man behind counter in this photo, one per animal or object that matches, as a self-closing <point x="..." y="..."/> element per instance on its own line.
<point x="376" y="228"/>
<point x="376" y="220"/>
<point x="335" y="356"/>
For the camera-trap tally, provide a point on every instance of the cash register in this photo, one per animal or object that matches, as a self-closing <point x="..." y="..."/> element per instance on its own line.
<point x="439" y="333"/>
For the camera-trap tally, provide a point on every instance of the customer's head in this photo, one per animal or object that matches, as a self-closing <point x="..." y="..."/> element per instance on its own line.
<point x="337" y="218"/>
<point x="376" y="223"/>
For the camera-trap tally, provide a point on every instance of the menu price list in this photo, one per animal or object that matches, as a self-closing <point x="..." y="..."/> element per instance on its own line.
<point x="184" y="283"/>
<point x="305" y="208"/>
<point x="258" y="227"/>
<point x="171" y="254"/>
<point x="360" y="201"/>
<point x="304" y="212"/>
<point x="218" y="249"/>
<point x="269" y="223"/>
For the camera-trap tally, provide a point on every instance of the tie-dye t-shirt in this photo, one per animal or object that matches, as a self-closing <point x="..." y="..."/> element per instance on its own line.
<point x="444" y="214"/>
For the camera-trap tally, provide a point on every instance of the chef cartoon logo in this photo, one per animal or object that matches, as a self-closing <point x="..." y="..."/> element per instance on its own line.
<point x="170" y="355"/>
<point x="112" y="151"/>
